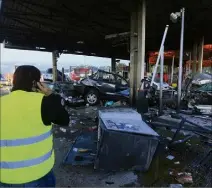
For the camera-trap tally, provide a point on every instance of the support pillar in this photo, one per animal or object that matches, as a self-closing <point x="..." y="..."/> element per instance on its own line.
<point x="189" y="66"/>
<point x="141" y="41"/>
<point x="161" y="81"/>
<point x="194" y="67"/>
<point x="133" y="56"/>
<point x="63" y="73"/>
<point x="200" y="54"/>
<point x="113" y="64"/>
<point x="54" y="65"/>
<point x="172" y="70"/>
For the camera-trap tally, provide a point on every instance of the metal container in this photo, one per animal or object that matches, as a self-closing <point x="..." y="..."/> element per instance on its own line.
<point x="124" y="140"/>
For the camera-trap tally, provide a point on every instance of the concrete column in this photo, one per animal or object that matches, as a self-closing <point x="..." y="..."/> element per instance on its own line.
<point x="54" y="65"/>
<point x="113" y="64"/>
<point x="63" y="74"/>
<point x="200" y="55"/>
<point x="172" y="69"/>
<point x="194" y="68"/>
<point x="133" y="56"/>
<point x="141" y="41"/>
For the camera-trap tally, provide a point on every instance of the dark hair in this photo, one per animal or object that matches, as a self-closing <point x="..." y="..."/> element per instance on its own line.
<point x="24" y="76"/>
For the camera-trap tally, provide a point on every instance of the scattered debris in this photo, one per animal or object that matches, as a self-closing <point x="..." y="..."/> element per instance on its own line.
<point x="166" y="148"/>
<point x="109" y="103"/>
<point x="169" y="138"/>
<point x="63" y="130"/>
<point x="176" y="186"/>
<point x="184" y="178"/>
<point x="109" y="182"/>
<point x="92" y="128"/>
<point x="74" y="131"/>
<point x="187" y="143"/>
<point x="73" y="121"/>
<point x="121" y="179"/>
<point x="170" y="157"/>
<point x="119" y="103"/>
<point x="178" y="162"/>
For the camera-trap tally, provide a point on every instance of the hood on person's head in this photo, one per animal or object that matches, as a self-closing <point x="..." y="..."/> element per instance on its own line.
<point x="24" y="77"/>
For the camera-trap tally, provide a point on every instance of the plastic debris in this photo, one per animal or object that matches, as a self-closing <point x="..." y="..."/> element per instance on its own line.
<point x="87" y="105"/>
<point x="170" y="157"/>
<point x="169" y="138"/>
<point x="109" y="103"/>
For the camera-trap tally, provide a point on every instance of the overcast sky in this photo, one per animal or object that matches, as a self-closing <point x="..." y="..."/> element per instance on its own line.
<point x="43" y="60"/>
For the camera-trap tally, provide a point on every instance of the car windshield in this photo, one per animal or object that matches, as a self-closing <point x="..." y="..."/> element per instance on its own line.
<point x="121" y="80"/>
<point x="157" y="80"/>
<point x="206" y="87"/>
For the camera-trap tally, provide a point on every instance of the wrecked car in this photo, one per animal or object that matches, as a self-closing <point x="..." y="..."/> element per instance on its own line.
<point x="48" y="76"/>
<point x="153" y="93"/>
<point x="104" y="85"/>
<point x="197" y="90"/>
<point x="68" y="90"/>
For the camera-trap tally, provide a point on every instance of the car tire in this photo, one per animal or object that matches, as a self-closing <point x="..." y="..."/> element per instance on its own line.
<point x="92" y="97"/>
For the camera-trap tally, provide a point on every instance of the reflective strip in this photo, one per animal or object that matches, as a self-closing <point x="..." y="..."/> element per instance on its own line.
<point x="25" y="141"/>
<point x="25" y="163"/>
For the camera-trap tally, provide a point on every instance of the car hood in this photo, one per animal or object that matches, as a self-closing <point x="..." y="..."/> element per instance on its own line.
<point x="201" y="78"/>
<point x="164" y="84"/>
<point x="88" y="82"/>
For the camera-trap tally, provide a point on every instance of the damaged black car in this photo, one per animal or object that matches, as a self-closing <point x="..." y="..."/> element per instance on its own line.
<point x="197" y="92"/>
<point x="104" y="85"/>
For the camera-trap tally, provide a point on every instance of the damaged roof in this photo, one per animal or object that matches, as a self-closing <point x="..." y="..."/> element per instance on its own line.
<point x="80" y="27"/>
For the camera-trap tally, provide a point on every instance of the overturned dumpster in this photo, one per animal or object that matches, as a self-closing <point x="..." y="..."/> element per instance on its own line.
<point x="125" y="141"/>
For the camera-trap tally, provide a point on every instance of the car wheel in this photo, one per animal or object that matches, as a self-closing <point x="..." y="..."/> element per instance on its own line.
<point x="92" y="97"/>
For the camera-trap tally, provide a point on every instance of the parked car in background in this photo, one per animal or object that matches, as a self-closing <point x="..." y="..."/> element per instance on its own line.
<point x="3" y="81"/>
<point x="104" y="86"/>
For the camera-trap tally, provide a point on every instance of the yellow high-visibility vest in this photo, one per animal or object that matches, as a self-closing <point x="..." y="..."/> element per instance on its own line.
<point x="26" y="144"/>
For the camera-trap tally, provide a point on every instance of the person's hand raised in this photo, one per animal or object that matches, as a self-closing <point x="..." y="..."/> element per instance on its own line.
<point x="44" y="89"/>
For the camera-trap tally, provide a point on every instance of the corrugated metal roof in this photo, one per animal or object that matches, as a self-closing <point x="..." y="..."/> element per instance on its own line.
<point x="61" y="24"/>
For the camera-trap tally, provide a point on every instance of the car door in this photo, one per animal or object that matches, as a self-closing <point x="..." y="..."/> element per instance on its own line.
<point x="121" y="84"/>
<point x="106" y="83"/>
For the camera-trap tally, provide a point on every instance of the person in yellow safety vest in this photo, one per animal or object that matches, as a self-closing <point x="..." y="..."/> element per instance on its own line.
<point x="26" y="142"/>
